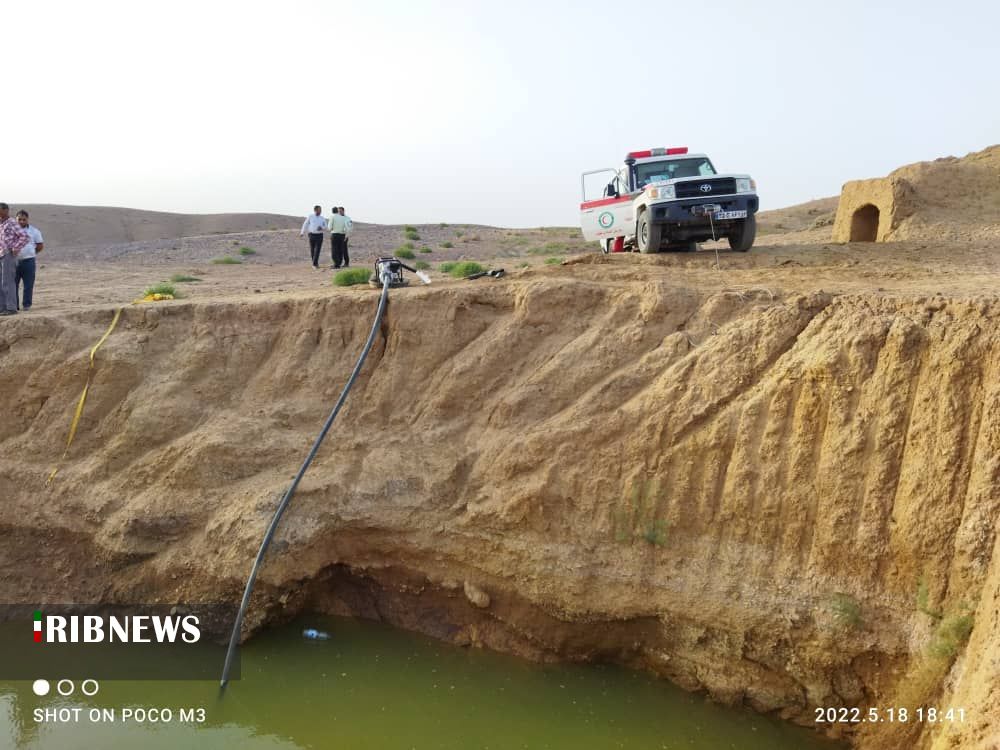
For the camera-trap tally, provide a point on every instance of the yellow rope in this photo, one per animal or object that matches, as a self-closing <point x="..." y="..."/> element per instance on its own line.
<point x="83" y="396"/>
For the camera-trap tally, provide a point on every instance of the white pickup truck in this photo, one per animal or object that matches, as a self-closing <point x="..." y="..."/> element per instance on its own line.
<point x="668" y="199"/>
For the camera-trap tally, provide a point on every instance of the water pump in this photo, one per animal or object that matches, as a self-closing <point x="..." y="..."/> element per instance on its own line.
<point x="393" y="269"/>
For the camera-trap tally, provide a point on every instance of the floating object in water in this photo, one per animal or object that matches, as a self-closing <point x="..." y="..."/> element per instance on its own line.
<point x="315" y="635"/>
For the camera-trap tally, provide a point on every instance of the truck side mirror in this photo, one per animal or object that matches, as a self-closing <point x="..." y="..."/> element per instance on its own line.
<point x="611" y="191"/>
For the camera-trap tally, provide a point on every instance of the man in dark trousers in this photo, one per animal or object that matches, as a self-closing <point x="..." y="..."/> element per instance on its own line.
<point x="338" y="233"/>
<point x="26" y="260"/>
<point x="348" y="228"/>
<point x="314" y="225"/>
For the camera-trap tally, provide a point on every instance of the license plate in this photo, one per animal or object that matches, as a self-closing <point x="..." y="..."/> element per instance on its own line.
<point x="723" y="215"/>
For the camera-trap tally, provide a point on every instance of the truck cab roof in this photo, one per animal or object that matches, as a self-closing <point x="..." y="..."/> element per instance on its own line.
<point x="672" y="157"/>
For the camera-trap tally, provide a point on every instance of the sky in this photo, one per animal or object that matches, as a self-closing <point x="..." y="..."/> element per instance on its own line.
<point x="475" y="112"/>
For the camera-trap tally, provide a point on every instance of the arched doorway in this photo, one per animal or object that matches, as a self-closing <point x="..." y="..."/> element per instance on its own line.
<point x="864" y="224"/>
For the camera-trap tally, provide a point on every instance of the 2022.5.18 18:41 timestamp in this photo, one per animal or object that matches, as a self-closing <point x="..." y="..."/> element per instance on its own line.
<point x="890" y="715"/>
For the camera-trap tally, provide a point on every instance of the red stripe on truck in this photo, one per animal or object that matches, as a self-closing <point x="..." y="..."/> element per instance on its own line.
<point x="604" y="202"/>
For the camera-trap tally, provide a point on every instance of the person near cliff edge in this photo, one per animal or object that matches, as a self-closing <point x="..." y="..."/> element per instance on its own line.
<point x="25" y="274"/>
<point x="348" y="228"/>
<point x="12" y="239"/>
<point x="338" y="227"/>
<point x="314" y="225"/>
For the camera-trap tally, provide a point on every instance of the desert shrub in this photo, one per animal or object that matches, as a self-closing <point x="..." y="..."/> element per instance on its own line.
<point x="162" y="288"/>
<point x="553" y="261"/>
<point x="405" y="252"/>
<point x="846" y="610"/>
<point x="951" y="635"/>
<point x="352" y="276"/>
<point x="412" y="234"/>
<point x="447" y="244"/>
<point x="655" y="532"/>
<point x="247" y="251"/>
<point x="637" y="516"/>
<point x="421" y="265"/>
<point x="461" y="269"/>
<point x="426" y="250"/>
<point x="923" y="597"/>
<point x="180" y="278"/>
<point x="226" y="260"/>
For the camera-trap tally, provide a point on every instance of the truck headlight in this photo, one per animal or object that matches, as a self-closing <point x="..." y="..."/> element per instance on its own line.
<point x="665" y="192"/>
<point x="745" y="185"/>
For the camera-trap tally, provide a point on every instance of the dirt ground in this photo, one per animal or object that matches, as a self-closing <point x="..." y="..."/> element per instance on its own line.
<point x="738" y="471"/>
<point x="71" y="278"/>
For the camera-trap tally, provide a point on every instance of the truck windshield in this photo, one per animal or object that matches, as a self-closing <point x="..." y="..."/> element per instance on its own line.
<point x="669" y="169"/>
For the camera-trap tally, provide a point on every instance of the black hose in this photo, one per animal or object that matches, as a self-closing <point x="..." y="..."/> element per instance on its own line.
<point x="283" y="505"/>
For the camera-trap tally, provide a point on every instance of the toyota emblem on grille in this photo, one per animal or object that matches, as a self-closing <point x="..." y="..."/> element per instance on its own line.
<point x="706" y="188"/>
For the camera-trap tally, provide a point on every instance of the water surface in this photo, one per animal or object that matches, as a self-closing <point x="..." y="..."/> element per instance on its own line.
<point x="372" y="686"/>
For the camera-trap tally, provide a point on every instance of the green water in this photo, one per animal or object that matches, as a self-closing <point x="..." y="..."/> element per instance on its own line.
<point x="372" y="686"/>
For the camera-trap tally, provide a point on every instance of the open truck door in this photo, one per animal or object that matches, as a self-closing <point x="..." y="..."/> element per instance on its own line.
<point x="609" y="216"/>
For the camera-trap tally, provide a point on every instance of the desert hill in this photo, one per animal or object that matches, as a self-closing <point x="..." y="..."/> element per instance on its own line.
<point x="99" y="225"/>
<point x="954" y="196"/>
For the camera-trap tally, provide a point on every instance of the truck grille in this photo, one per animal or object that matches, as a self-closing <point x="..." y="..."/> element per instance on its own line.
<point x="692" y="189"/>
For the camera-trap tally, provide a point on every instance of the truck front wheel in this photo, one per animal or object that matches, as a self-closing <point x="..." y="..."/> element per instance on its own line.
<point x="741" y="239"/>
<point x="647" y="234"/>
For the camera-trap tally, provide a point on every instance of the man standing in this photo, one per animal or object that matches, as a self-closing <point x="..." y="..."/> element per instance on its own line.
<point x="12" y="239"/>
<point x="26" y="260"/>
<point x="314" y="225"/>
<point x="338" y="227"/>
<point x="348" y="228"/>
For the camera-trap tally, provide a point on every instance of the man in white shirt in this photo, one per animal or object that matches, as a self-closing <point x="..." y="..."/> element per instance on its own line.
<point x="348" y="228"/>
<point x="338" y="233"/>
<point x="25" y="272"/>
<point x="314" y="225"/>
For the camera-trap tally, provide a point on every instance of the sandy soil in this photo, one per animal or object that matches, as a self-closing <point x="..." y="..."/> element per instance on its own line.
<point x="769" y="476"/>
<point x="72" y="278"/>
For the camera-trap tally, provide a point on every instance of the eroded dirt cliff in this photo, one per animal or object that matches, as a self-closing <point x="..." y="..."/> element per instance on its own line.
<point x="788" y="500"/>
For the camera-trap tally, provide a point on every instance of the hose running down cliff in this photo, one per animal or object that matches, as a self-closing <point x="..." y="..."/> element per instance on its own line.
<point x="387" y="280"/>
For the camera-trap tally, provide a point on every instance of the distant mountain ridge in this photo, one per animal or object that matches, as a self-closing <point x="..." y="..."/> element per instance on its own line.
<point x="101" y="225"/>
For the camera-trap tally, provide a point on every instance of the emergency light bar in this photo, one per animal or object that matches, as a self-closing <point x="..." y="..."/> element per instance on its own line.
<point x="657" y="152"/>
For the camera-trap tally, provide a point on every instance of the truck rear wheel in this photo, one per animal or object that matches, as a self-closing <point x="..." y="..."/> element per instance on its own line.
<point x="647" y="234"/>
<point x="742" y="238"/>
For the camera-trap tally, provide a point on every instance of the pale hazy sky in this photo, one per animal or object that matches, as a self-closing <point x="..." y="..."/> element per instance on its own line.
<point x="477" y="112"/>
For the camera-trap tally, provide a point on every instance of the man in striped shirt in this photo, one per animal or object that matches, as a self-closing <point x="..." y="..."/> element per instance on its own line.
<point x="12" y="239"/>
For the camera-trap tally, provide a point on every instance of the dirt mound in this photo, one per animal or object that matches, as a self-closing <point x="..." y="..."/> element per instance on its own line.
<point x="778" y="498"/>
<point x="951" y="198"/>
<point x="81" y="226"/>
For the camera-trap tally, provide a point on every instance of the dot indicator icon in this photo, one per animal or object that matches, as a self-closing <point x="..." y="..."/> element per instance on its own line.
<point x="40" y="687"/>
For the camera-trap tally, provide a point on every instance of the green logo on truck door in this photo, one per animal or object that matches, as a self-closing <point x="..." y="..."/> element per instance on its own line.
<point x="606" y="220"/>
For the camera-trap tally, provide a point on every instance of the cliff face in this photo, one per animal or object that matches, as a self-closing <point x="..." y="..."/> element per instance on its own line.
<point x="784" y="500"/>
